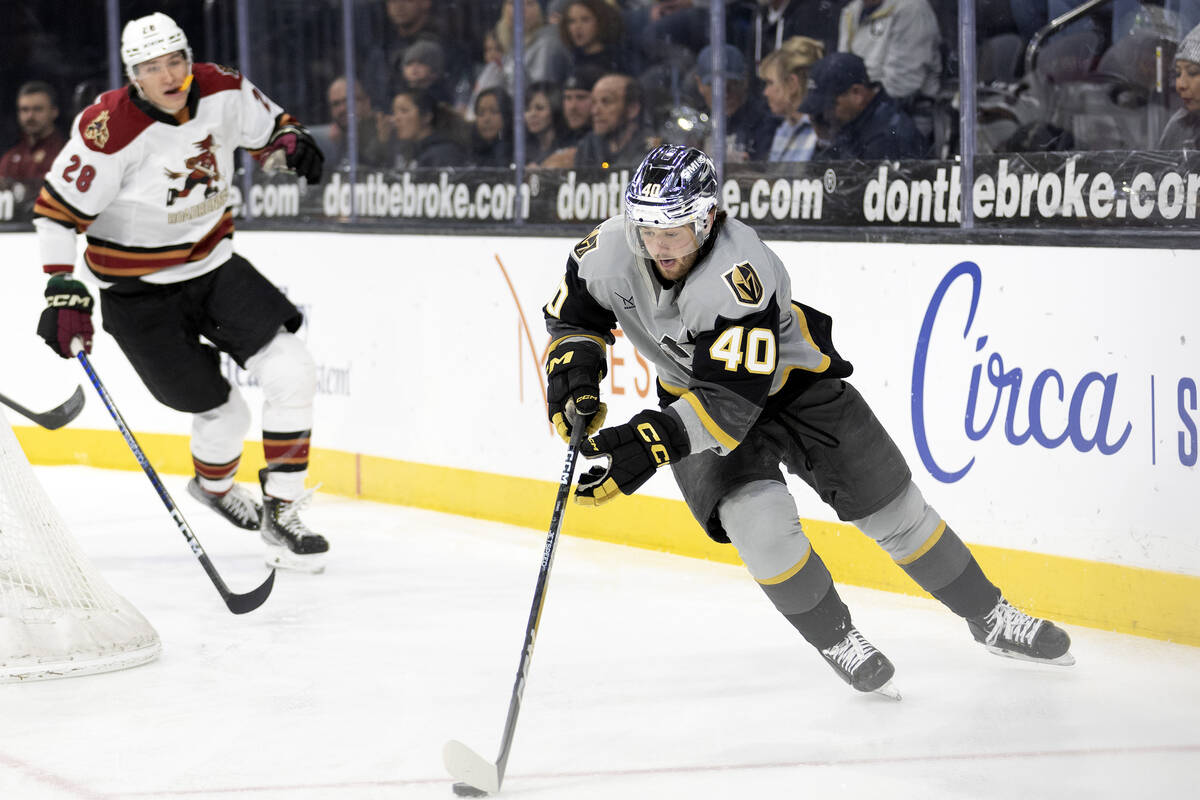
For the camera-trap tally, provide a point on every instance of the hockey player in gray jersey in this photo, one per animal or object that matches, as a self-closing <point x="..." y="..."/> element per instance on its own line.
<point x="748" y="379"/>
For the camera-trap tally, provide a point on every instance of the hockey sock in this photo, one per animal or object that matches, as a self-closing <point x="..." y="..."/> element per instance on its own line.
<point x="826" y="624"/>
<point x="971" y="594"/>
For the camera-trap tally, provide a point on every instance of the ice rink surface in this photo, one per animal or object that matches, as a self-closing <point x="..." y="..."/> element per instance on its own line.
<point x="654" y="676"/>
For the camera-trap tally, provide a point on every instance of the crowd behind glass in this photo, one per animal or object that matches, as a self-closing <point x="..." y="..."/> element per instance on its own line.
<point x="605" y="80"/>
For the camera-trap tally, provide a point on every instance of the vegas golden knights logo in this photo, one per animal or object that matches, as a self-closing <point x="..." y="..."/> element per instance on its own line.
<point x="744" y="283"/>
<point x="588" y="244"/>
<point x="97" y="130"/>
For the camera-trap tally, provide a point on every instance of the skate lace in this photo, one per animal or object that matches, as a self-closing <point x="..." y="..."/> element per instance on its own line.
<point x="851" y="651"/>
<point x="289" y="514"/>
<point x="238" y="502"/>
<point x="1012" y="624"/>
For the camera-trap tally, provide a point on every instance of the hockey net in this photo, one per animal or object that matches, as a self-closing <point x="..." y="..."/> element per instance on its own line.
<point x="58" y="616"/>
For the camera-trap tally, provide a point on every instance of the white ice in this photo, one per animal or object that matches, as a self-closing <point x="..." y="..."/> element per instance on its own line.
<point x="654" y="676"/>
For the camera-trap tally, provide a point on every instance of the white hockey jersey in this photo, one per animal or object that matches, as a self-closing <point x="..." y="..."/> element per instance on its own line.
<point x="150" y="190"/>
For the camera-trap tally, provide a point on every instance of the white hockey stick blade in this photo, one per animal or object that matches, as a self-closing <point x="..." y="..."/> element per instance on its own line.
<point x="466" y="765"/>
<point x="889" y="691"/>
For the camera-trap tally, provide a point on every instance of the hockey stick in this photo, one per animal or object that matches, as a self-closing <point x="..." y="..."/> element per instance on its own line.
<point x="54" y="418"/>
<point x="477" y="775"/>
<point x="237" y="603"/>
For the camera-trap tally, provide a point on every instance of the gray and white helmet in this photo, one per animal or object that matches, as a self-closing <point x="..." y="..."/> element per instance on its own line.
<point x="674" y="186"/>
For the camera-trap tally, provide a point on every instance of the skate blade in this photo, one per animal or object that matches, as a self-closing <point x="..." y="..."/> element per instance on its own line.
<point x="889" y="691"/>
<point x="282" y="558"/>
<point x="1065" y="660"/>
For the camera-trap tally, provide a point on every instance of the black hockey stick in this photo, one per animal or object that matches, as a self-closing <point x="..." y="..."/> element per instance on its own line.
<point x="477" y="775"/>
<point x="54" y="418"/>
<point x="238" y="603"/>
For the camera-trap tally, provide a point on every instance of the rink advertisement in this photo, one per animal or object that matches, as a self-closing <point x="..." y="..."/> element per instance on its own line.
<point x="1046" y="399"/>
<point x="1080" y="191"/>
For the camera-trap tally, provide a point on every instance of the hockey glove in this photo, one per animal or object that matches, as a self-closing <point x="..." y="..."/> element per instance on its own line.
<point x="574" y="370"/>
<point x="68" y="314"/>
<point x="294" y="145"/>
<point x="634" y="450"/>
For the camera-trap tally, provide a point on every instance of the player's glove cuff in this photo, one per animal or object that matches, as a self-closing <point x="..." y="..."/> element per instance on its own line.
<point x="574" y="369"/>
<point x="68" y="315"/>
<point x="634" y="451"/>
<point x="292" y="144"/>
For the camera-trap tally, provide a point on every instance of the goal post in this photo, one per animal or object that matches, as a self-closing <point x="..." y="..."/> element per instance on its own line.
<point x="58" y="616"/>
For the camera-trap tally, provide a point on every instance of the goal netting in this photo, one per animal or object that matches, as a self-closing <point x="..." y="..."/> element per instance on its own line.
<point x="58" y="616"/>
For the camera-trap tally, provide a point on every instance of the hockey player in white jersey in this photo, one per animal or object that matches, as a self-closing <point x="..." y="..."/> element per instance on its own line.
<point x="146" y="176"/>
<point x="749" y="379"/>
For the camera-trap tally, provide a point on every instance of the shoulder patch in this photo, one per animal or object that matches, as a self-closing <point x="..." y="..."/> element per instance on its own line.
<point x="112" y="122"/>
<point x="588" y="244"/>
<point x="213" y="78"/>
<point x="745" y="284"/>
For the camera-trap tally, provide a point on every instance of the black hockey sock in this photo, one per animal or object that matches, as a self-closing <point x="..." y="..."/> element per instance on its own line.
<point x="826" y="624"/>
<point x="971" y="594"/>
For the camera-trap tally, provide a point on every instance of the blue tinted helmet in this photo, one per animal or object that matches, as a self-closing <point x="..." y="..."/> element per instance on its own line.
<point x="673" y="187"/>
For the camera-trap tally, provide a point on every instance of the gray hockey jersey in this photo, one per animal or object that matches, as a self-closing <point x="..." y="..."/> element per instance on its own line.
<point x="727" y="340"/>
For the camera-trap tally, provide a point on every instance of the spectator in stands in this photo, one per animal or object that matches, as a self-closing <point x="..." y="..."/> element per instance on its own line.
<point x="1183" y="128"/>
<point x="22" y="167"/>
<point x="778" y="20"/>
<point x="866" y="122"/>
<point x="544" y="123"/>
<point x="577" y="104"/>
<point x="425" y="68"/>
<point x="421" y="140"/>
<point x="387" y="38"/>
<point x="373" y="129"/>
<point x="546" y="57"/>
<point x="785" y="77"/>
<point x="898" y="40"/>
<point x="749" y="126"/>
<point x="490" y="74"/>
<point x="491" y="140"/>
<point x="591" y="30"/>
<point x="618" y="137"/>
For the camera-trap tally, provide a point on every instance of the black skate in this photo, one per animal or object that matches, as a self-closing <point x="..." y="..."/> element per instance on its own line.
<point x="236" y="505"/>
<point x="290" y="544"/>
<point x="1008" y="631"/>
<point x="862" y="666"/>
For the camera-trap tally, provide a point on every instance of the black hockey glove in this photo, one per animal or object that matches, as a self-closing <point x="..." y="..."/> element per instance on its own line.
<point x="574" y="370"/>
<point x="634" y="450"/>
<point x="299" y="152"/>
<point x="68" y="314"/>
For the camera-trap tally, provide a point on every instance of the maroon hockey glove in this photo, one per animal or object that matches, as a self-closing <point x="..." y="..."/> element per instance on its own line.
<point x="68" y="314"/>
<point x="634" y="450"/>
<point x="574" y="370"/>
<point x="298" y="150"/>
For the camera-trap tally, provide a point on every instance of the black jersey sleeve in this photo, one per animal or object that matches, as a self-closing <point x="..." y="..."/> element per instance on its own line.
<point x="573" y="311"/>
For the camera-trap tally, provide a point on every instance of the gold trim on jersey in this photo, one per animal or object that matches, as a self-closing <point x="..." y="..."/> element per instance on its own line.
<point x="113" y="259"/>
<point x="53" y="207"/>
<point x="804" y="331"/>
<point x="706" y="420"/>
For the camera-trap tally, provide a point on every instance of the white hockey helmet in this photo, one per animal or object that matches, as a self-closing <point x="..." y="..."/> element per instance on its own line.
<point x="149" y="37"/>
<point x="673" y="187"/>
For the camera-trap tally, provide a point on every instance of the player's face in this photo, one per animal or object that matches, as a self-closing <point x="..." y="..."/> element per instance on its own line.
<point x="161" y="81"/>
<point x="1187" y="83"/>
<point x="673" y="250"/>
<point x="36" y="114"/>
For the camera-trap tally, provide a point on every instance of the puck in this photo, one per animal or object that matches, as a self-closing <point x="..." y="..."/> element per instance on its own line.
<point x="467" y="790"/>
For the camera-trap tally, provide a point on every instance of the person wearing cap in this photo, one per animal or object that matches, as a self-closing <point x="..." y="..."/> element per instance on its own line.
<point x="865" y="121"/>
<point x="577" y="103"/>
<point x="1182" y="131"/>
<point x="749" y="126"/>
<point x="424" y="67"/>
<point x="898" y="40"/>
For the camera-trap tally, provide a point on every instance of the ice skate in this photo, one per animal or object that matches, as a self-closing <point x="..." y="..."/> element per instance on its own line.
<point x="236" y="505"/>
<point x="290" y="543"/>
<point x="1010" y="632"/>
<point x="862" y="666"/>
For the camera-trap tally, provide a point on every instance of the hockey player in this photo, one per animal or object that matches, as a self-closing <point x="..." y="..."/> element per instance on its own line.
<point x="163" y="257"/>
<point x="748" y="379"/>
